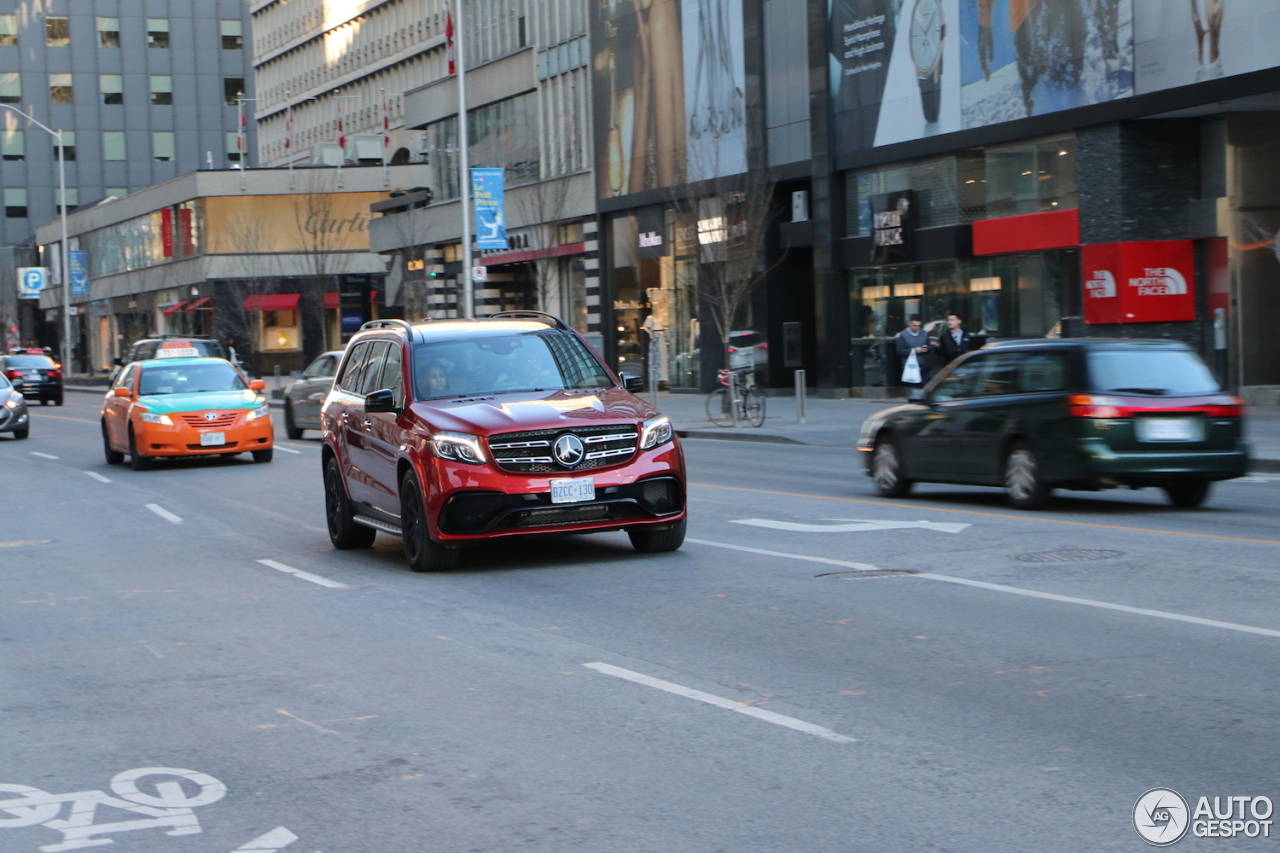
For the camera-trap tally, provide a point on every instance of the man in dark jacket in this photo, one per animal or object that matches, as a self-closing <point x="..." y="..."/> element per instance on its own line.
<point x="954" y="340"/>
<point x="914" y="339"/>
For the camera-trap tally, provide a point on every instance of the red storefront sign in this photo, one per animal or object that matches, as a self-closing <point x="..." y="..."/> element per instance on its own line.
<point x="1148" y="282"/>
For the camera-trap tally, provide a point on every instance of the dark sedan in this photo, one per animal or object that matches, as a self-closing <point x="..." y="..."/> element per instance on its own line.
<point x="35" y="375"/>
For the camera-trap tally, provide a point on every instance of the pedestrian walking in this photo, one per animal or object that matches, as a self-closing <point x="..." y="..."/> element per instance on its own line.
<point x="954" y="341"/>
<point x="912" y="346"/>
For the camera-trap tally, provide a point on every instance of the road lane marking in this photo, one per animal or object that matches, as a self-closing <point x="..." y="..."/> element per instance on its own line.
<point x="303" y="446"/>
<point x="95" y="475"/>
<point x="269" y="842"/>
<point x="18" y="543"/>
<point x="1042" y="520"/>
<point x="1013" y="590"/>
<point x="306" y="576"/>
<point x="164" y="513"/>
<point x="287" y="450"/>
<point x="43" y="455"/>
<point x="65" y="418"/>
<point x="853" y="525"/>
<point x="721" y="702"/>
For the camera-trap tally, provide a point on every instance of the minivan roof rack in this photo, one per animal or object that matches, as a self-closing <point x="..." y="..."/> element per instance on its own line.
<point x="532" y="315"/>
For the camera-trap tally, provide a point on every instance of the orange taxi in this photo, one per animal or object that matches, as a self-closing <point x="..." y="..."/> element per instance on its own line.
<point x="182" y="406"/>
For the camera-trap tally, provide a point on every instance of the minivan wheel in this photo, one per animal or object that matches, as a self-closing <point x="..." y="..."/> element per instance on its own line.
<point x="344" y="533"/>
<point x="886" y="469"/>
<point x="1023" y="481"/>
<point x="649" y="540"/>
<point x="1187" y="493"/>
<point x="423" y="553"/>
<point x="291" y="429"/>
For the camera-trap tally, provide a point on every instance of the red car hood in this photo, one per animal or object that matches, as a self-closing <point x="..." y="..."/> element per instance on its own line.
<point x="541" y="410"/>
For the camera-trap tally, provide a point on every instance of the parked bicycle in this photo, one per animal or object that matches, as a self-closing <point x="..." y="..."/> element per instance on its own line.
<point x="747" y="400"/>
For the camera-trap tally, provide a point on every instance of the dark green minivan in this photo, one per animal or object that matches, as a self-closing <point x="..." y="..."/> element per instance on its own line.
<point x="1090" y="414"/>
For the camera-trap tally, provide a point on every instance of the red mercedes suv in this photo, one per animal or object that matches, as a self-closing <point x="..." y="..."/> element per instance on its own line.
<point x="453" y="431"/>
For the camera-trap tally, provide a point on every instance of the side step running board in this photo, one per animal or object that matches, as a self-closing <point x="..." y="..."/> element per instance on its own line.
<point x="377" y="524"/>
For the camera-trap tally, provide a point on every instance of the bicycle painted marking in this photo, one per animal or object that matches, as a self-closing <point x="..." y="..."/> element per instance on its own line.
<point x="169" y="806"/>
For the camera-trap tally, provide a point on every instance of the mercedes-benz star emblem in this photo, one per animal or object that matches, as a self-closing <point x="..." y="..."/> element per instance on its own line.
<point x="210" y="416"/>
<point x="569" y="450"/>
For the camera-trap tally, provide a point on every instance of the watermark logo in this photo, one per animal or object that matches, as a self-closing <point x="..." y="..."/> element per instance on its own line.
<point x="1161" y="817"/>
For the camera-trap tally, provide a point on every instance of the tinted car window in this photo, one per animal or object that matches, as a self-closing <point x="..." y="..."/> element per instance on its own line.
<point x="30" y="361"/>
<point x="1150" y="371"/>
<point x="545" y="360"/>
<point x="393" y="375"/>
<point x="999" y="375"/>
<point x="959" y="382"/>
<point x="1043" y="371"/>
<point x="322" y="366"/>
<point x="372" y="371"/>
<point x="352" y="369"/>
<point x="125" y="379"/>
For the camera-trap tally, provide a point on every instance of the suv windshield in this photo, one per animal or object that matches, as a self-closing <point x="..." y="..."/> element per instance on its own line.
<point x="30" y="361"/>
<point x="545" y="360"/>
<point x="1160" y="372"/>
<point x="190" y="379"/>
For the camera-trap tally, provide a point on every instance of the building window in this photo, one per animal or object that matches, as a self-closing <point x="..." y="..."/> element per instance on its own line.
<point x="161" y="90"/>
<point x="13" y="145"/>
<point x="10" y="88"/>
<point x="8" y="29"/>
<point x="60" y="89"/>
<point x="68" y="146"/>
<point x="233" y="147"/>
<point x="157" y="32"/>
<point x="113" y="147"/>
<point x="72" y="200"/>
<point x="279" y="331"/>
<point x="15" y="203"/>
<point x="109" y="32"/>
<point x="232" y="89"/>
<point x="1031" y="178"/>
<point x="117" y="192"/>
<point x="162" y="145"/>
<point x="506" y="134"/>
<point x="232" y="35"/>
<point x="57" y="32"/>
<point x="112" y="88"/>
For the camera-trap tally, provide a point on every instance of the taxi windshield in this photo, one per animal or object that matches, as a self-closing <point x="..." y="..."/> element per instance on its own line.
<point x="189" y="379"/>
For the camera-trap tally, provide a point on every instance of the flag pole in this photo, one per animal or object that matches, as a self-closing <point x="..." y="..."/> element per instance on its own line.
<point x="468" y="294"/>
<point x="386" y="139"/>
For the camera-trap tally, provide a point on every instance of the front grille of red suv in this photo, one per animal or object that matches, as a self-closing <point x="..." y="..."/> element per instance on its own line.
<point x="530" y="452"/>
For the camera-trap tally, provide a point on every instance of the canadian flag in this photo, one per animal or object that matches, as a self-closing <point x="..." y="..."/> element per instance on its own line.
<point x="240" y="133"/>
<point x="288" y="129"/>
<point x="342" y="134"/>
<point x="386" y="127"/>
<point x="448" y="39"/>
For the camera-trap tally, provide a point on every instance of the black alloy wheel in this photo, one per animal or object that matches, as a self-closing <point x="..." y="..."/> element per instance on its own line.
<point x="344" y="533"/>
<point x="886" y="469"/>
<point x="423" y="553"/>
<point x="1023" y="481"/>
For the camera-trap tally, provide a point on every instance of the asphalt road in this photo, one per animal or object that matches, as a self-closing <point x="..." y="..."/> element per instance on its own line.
<point x="813" y="680"/>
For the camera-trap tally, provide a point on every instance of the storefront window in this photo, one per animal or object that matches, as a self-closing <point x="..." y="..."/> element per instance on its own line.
<point x="279" y="331"/>
<point x="1031" y="178"/>
<point x="573" y="293"/>
<point x="948" y="191"/>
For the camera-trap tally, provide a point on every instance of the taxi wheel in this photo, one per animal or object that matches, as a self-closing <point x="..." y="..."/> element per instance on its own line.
<point x="423" y="554"/>
<point x="344" y="533"/>
<point x="292" y="430"/>
<point x="137" y="461"/>
<point x="263" y="455"/>
<point x="114" y="457"/>
<point x="647" y="540"/>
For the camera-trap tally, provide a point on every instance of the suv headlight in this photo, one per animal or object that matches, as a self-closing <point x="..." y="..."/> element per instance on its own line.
<point x="655" y="432"/>
<point x="458" y="447"/>
<point x="149" y="418"/>
<point x="260" y="412"/>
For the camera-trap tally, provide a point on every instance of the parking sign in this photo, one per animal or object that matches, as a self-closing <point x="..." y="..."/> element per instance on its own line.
<point x="32" y="280"/>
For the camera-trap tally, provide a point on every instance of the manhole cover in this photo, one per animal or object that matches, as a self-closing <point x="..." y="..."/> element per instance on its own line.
<point x="1069" y="555"/>
<point x="866" y="573"/>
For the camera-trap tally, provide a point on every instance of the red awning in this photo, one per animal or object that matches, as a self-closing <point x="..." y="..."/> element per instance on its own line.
<point x="173" y="309"/>
<point x="197" y="303"/>
<point x="331" y="299"/>
<point x="272" y="302"/>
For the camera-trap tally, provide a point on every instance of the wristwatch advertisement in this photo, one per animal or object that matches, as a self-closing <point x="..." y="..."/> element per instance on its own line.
<point x="926" y="34"/>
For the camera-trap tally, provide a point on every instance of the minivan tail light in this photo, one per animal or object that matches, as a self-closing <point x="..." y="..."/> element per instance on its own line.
<point x="1101" y="406"/>
<point x="1226" y="406"/>
<point x="1094" y="406"/>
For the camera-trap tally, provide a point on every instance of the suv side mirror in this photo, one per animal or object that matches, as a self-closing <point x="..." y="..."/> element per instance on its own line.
<point x="381" y="401"/>
<point x="632" y="381"/>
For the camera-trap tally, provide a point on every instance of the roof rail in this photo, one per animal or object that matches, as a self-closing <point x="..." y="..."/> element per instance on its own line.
<point x="532" y="315"/>
<point x="383" y="324"/>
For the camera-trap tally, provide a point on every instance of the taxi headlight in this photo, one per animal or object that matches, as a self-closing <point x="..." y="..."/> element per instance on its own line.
<point x="655" y="432"/>
<point x="458" y="447"/>
<point x="149" y="418"/>
<point x="260" y="412"/>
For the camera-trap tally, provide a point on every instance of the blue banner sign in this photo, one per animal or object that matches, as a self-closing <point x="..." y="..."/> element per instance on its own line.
<point x="79" y="261"/>
<point x="491" y="220"/>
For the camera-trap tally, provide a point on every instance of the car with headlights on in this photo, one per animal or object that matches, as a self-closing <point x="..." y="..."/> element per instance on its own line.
<point x="14" y="417"/>
<point x="183" y="407"/>
<point x="452" y="432"/>
<point x="1079" y="413"/>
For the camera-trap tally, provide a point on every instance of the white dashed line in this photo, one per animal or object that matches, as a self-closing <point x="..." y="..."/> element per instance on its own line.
<point x="829" y="562"/>
<point x="268" y="843"/>
<point x="721" y="702"/>
<point x="43" y="455"/>
<point x="288" y="450"/>
<point x="164" y="513"/>
<point x="306" y="576"/>
<point x="95" y="475"/>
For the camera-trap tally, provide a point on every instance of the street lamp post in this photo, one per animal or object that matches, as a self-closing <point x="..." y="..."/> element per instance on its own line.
<point x="66" y="257"/>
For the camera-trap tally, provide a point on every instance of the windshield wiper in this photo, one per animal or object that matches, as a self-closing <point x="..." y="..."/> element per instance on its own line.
<point x="1157" y="392"/>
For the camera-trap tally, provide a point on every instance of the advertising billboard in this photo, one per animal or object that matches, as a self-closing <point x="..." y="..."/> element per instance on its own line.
<point x="488" y="198"/>
<point x="1139" y="282"/>
<point x="310" y="222"/>
<point x="1189" y="42"/>
<point x="670" y="84"/>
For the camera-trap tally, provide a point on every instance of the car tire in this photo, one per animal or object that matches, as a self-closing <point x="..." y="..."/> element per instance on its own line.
<point x="20" y="434"/>
<point x="650" y="540"/>
<point x="344" y="533"/>
<point x="57" y="401"/>
<point x="137" y="461"/>
<point x="886" y="469"/>
<point x="114" y="457"/>
<point x="44" y="402"/>
<point x="1023" y="481"/>
<point x="263" y="455"/>
<point x="423" y="553"/>
<point x="291" y="429"/>
<point x="1187" y="494"/>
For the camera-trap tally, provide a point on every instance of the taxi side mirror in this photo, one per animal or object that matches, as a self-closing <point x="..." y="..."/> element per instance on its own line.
<point x="257" y="385"/>
<point x="122" y="392"/>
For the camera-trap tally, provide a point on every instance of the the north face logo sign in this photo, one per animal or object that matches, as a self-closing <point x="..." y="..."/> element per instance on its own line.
<point x="1160" y="281"/>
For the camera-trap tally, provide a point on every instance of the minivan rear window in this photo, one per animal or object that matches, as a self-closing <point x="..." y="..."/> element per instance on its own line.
<point x="1158" y="372"/>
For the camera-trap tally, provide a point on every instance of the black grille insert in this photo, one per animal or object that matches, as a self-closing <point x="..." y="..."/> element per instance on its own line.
<point x="482" y="512"/>
<point x="532" y="452"/>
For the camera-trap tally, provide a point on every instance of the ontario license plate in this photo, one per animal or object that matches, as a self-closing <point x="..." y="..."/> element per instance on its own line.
<point x="575" y="490"/>
<point x="1169" y="429"/>
<point x="212" y="439"/>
